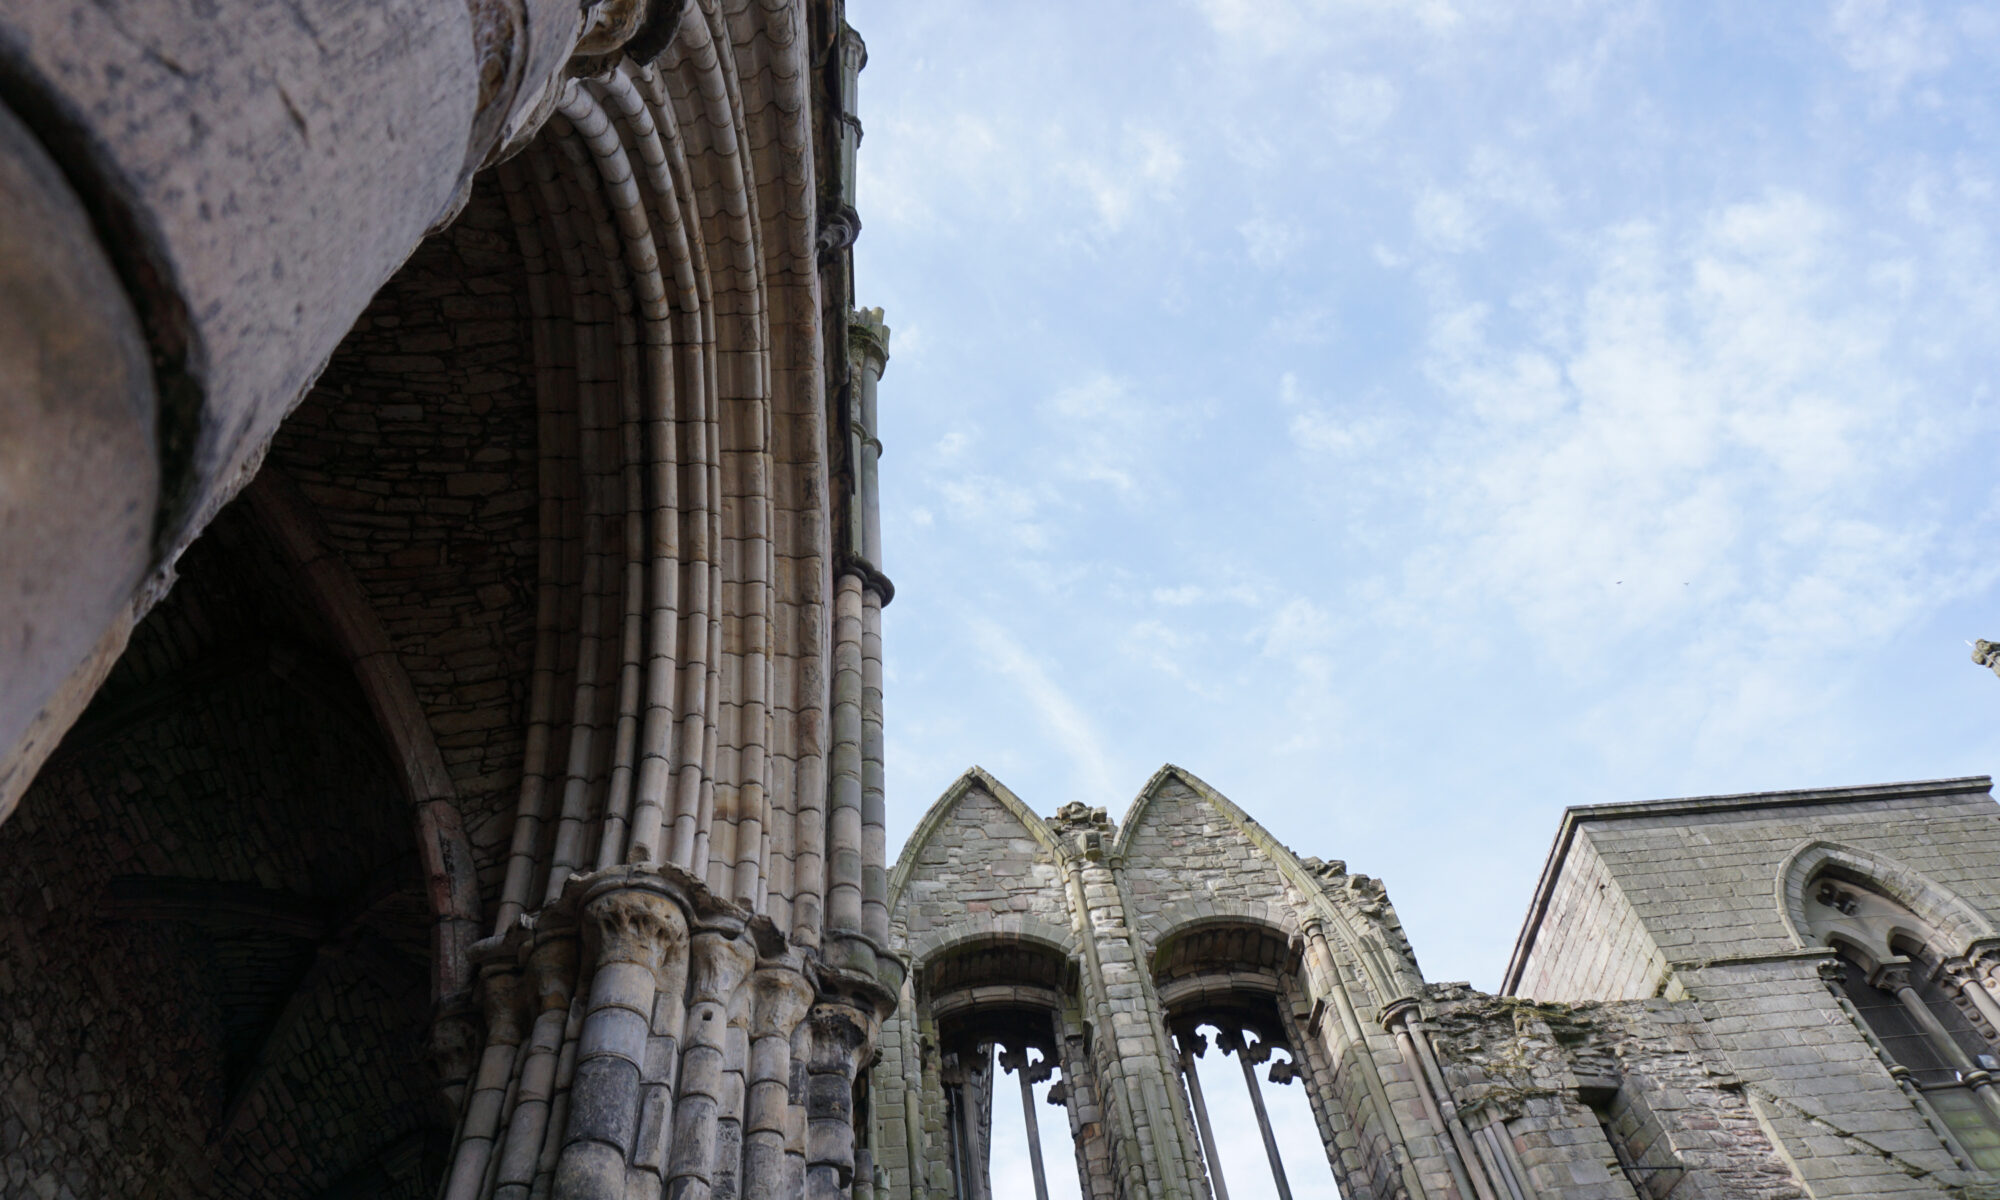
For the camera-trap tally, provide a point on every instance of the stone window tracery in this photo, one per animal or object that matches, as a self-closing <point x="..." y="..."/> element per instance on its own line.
<point x="1928" y="1015"/>
<point x="1226" y="989"/>
<point x="1004" y="1021"/>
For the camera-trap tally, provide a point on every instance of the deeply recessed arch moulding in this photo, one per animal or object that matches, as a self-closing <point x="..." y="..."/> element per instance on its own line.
<point x="1957" y="924"/>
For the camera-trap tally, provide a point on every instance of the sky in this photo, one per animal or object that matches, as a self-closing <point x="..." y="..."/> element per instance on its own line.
<point x="1416" y="417"/>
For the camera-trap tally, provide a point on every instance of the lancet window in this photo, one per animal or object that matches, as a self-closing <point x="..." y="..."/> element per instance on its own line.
<point x="1224" y="991"/>
<point x="1929" y="1016"/>
<point x="1006" y="1066"/>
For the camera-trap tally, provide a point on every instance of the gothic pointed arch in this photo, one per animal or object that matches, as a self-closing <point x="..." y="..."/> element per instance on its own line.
<point x="451" y="879"/>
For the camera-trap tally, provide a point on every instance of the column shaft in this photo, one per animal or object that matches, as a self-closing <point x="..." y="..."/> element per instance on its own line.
<point x="1208" y="1147"/>
<point x="1264" y="1124"/>
<point x="1034" y="1136"/>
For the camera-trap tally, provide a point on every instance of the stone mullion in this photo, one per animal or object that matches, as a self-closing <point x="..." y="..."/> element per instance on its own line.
<point x="1249" y="1060"/>
<point x="1191" y="1044"/>
<point x="1895" y="979"/>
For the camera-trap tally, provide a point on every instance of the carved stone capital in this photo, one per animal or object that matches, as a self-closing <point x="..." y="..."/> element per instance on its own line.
<point x="843" y="1037"/>
<point x="783" y="997"/>
<point x="552" y="973"/>
<point x="502" y="1002"/>
<point x="634" y="925"/>
<point x="716" y="968"/>
<point x="868" y="338"/>
<point x="1893" y="975"/>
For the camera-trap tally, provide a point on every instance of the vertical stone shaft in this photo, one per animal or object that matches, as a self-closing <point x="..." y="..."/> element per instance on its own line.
<point x="840" y="1037"/>
<point x="1264" y="1123"/>
<point x="552" y="969"/>
<point x="1896" y="979"/>
<point x="1208" y="1145"/>
<point x="874" y="782"/>
<point x="782" y="998"/>
<point x="641" y="941"/>
<point x="868" y="355"/>
<point x="1464" y="1167"/>
<point x="717" y="965"/>
<point x="481" y="1122"/>
<point x="844" y="815"/>
<point x="1034" y="1132"/>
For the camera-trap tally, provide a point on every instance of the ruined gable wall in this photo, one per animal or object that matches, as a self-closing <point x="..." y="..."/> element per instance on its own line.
<point x="981" y="869"/>
<point x="1184" y="853"/>
<point x="1702" y="882"/>
<point x="982" y="865"/>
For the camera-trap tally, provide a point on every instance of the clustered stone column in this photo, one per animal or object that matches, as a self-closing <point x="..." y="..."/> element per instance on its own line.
<point x="702" y="1056"/>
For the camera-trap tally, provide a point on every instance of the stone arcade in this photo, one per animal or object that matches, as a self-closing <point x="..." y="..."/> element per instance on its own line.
<point x="1780" y="995"/>
<point x="441" y="711"/>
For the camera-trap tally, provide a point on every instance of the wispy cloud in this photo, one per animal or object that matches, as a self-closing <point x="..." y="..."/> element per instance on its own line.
<point x="1062" y="720"/>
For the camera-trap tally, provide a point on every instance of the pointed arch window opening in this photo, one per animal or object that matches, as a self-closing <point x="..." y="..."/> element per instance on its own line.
<point x="1268" y="1066"/>
<point x="996" y="1082"/>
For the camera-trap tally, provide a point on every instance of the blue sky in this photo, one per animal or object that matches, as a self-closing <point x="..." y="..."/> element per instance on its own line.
<point x="1414" y="418"/>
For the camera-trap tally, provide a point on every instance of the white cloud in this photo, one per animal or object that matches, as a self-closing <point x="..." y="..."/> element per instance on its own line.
<point x="1106" y="432"/>
<point x="1270" y="243"/>
<point x="1355" y="106"/>
<point x="1316" y="427"/>
<point x="1712" y="443"/>
<point x="1889" y="41"/>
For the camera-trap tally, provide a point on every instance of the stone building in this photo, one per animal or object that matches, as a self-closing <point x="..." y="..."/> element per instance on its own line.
<point x="1771" y="996"/>
<point x="441" y="710"/>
